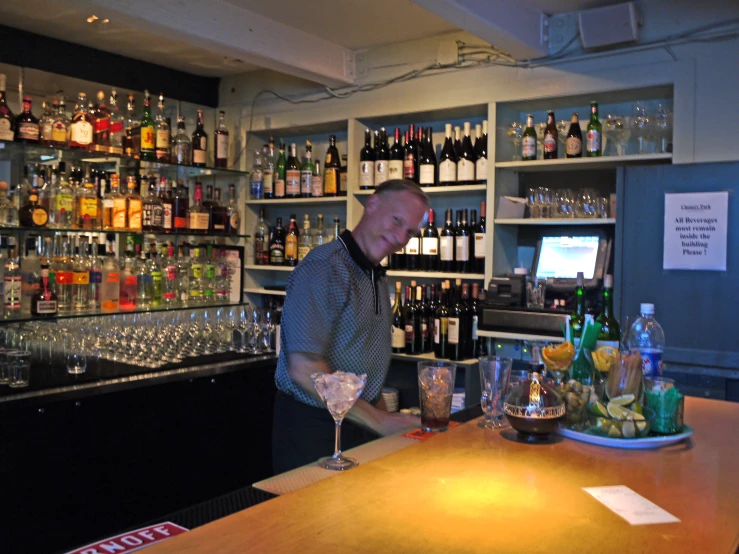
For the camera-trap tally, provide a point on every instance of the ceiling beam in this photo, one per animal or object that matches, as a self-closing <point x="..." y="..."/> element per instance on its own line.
<point x="226" y="29"/>
<point x="515" y="27"/>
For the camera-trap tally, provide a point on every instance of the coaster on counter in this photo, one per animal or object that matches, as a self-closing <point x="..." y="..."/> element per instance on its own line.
<point x="421" y="435"/>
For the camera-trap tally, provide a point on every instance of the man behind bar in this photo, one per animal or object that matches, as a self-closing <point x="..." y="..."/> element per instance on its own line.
<point x="337" y="317"/>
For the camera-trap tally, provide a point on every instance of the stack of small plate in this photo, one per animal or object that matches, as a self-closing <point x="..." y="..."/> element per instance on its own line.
<point x="390" y="396"/>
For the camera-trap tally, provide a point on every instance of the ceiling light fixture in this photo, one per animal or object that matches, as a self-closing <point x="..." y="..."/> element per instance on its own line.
<point x="92" y="18"/>
<point x="104" y="21"/>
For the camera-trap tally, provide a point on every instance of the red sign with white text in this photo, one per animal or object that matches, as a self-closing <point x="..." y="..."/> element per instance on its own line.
<point x="133" y="540"/>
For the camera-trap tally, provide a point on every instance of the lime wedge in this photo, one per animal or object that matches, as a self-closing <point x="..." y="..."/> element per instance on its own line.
<point x="617" y="412"/>
<point x="614" y="432"/>
<point x="603" y="424"/>
<point x="629" y="429"/>
<point x="641" y="427"/>
<point x="632" y="415"/>
<point x="599" y="409"/>
<point x="637" y="408"/>
<point x="623" y="400"/>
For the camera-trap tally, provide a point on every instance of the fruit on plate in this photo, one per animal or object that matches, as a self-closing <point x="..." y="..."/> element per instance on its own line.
<point x="604" y="358"/>
<point x="558" y="357"/>
<point x="576" y="397"/>
<point x="622" y="417"/>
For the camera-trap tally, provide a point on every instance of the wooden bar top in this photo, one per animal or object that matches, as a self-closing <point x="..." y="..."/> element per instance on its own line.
<point x="476" y="490"/>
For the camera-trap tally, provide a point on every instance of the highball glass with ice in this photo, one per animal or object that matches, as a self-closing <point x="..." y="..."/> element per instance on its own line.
<point x="435" y="390"/>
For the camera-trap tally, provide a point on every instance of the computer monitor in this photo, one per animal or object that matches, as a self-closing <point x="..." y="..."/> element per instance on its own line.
<point x="558" y="258"/>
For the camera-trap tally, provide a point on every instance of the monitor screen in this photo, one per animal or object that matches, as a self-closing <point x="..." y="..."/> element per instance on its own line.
<point x="563" y="257"/>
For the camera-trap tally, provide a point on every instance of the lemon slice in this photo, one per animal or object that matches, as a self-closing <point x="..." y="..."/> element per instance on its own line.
<point x="603" y="424"/>
<point x="614" y="432"/>
<point x="599" y="409"/>
<point x="637" y="408"/>
<point x="608" y="350"/>
<point x="629" y="429"/>
<point x="641" y="426"/>
<point x="632" y="415"/>
<point x="617" y="412"/>
<point x="623" y="400"/>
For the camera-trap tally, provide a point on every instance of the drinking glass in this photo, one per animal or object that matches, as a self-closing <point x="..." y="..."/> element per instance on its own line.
<point x="543" y="201"/>
<point x="663" y="129"/>
<point x="535" y="293"/>
<point x="339" y="392"/>
<point x="19" y="368"/>
<point x="602" y="206"/>
<point x="494" y="374"/>
<point x="435" y="389"/>
<point x="540" y="129"/>
<point x="515" y="133"/>
<point x="563" y="126"/>
<point x="531" y="203"/>
<point x="4" y="369"/>
<point x="74" y="355"/>
<point x="641" y="126"/>
<point x="616" y="128"/>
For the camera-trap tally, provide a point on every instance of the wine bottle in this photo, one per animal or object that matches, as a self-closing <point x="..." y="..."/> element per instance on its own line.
<point x="466" y="164"/>
<point x="456" y="326"/>
<point x="448" y="159"/>
<point x="468" y="343"/>
<point x="280" y="168"/>
<point x="410" y="157"/>
<point x="550" y="137"/>
<point x="447" y="241"/>
<point x="332" y="169"/>
<point x="367" y="163"/>
<point x="458" y="140"/>
<point x="397" y="158"/>
<point x="528" y="141"/>
<point x="481" y="151"/>
<point x="441" y="326"/>
<point x="413" y="253"/>
<point x="610" y="333"/>
<point x="292" y="173"/>
<point x="428" y="329"/>
<point x="410" y="320"/>
<point x="478" y="239"/>
<point x="574" y="138"/>
<point x="418" y="139"/>
<point x="430" y="245"/>
<point x="382" y="157"/>
<point x="397" y="259"/>
<point x="398" y="328"/>
<point x="427" y="162"/>
<point x="462" y="243"/>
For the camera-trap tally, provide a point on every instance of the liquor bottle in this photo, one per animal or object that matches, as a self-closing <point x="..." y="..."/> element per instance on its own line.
<point x="397" y="333"/>
<point x="382" y="158"/>
<point x="182" y="143"/>
<point x="199" y="220"/>
<point x="320" y="236"/>
<point x="441" y="326"/>
<point x="120" y="206"/>
<point x="169" y="294"/>
<point x="462" y="243"/>
<point x="610" y="331"/>
<point x="479" y="347"/>
<point x="210" y="269"/>
<point x="165" y="197"/>
<point x="60" y="126"/>
<point x="88" y="213"/>
<point x="132" y="136"/>
<point x="233" y="215"/>
<point x="7" y="119"/>
<point x="430" y="245"/>
<point x="181" y="207"/>
<point x="195" y="284"/>
<point x="395" y="165"/>
<point x="305" y="242"/>
<point x="367" y="163"/>
<point x="467" y="159"/>
<point x="410" y="156"/>
<point x="457" y="326"/>
<point x="280" y="173"/>
<point x="268" y="170"/>
<point x="337" y="227"/>
<point x="481" y="153"/>
<point x="421" y="324"/>
<point x="62" y="267"/>
<point x="172" y="142"/>
<point x="221" y="137"/>
<point x="574" y="138"/>
<point x="468" y="343"/>
<point x="12" y="285"/>
<point x="277" y="244"/>
<point x="448" y="160"/>
<point x="101" y="129"/>
<point x="96" y="276"/>
<point x="128" y="288"/>
<point x="409" y="316"/>
<point x="183" y="274"/>
<point x="306" y="171"/>
<point x="81" y="277"/>
<point x="153" y="211"/>
<point x="427" y="162"/>
<point x="316" y="181"/>
<point x="332" y="169"/>
<point x="292" y="174"/>
<point x="154" y="271"/>
<point x="291" y="242"/>
<point x="30" y="267"/>
<point x="134" y="206"/>
<point x="528" y="141"/>
<point x="44" y="302"/>
<point x="32" y="214"/>
<point x="478" y="242"/>
<point x="577" y="318"/>
<point x="209" y="203"/>
<point x="199" y="143"/>
<point x="26" y="124"/>
<point x="222" y="285"/>
<point x="413" y="253"/>
<point x="81" y="128"/>
<point x="458" y="140"/>
<point x="110" y="284"/>
<point x="218" y="215"/>
<point x="550" y="138"/>
<point x="595" y="133"/>
<point x="8" y="212"/>
<point x="163" y="133"/>
<point x="116" y="130"/>
<point x="447" y="244"/>
<point x="147" y="130"/>
<point x="256" y="182"/>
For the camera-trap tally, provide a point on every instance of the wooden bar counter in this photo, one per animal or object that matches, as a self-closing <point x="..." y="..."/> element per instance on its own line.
<point x="476" y="490"/>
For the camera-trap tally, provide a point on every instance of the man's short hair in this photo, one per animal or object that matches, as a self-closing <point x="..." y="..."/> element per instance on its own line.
<point x="400" y="185"/>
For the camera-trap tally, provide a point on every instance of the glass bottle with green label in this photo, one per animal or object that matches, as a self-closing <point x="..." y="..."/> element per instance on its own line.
<point x="528" y="141"/>
<point x="595" y="133"/>
<point x="209" y="275"/>
<point x="610" y="331"/>
<point x="577" y="318"/>
<point x="195" y="283"/>
<point x="62" y="207"/>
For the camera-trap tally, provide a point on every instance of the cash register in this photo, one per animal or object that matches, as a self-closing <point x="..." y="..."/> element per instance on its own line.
<point x="557" y="259"/>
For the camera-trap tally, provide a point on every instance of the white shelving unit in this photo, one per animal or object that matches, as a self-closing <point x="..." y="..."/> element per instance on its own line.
<point x="518" y="336"/>
<point x="299" y="201"/>
<point x="435" y="275"/>
<point x="254" y="267"/>
<point x="437" y="190"/>
<point x="555" y="221"/>
<point x="568" y="164"/>
<point x="257" y="290"/>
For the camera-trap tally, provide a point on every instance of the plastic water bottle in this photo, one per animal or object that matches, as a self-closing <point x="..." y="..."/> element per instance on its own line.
<point x="647" y="337"/>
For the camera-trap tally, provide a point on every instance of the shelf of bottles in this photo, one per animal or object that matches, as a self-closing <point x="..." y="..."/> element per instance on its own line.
<point x="184" y="233"/>
<point x="481" y="187"/>
<point x="556" y="221"/>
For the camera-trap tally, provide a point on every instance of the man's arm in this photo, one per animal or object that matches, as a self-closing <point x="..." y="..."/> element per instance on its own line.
<point x="301" y="365"/>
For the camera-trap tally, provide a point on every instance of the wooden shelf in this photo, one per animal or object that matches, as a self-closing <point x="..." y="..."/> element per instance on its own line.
<point x="518" y="336"/>
<point x="257" y="290"/>
<point x="437" y="190"/>
<point x="300" y="201"/>
<point x="254" y="267"/>
<point x="435" y="275"/>
<point x="569" y="164"/>
<point x="554" y="221"/>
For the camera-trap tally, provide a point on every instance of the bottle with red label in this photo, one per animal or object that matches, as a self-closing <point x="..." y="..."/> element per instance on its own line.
<point x="170" y="277"/>
<point x="26" y="124"/>
<point x="128" y="286"/>
<point x="110" y="284"/>
<point x="62" y="268"/>
<point x="101" y="113"/>
<point x="117" y="128"/>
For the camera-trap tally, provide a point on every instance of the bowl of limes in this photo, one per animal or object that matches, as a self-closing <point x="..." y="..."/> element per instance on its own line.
<point x="623" y="417"/>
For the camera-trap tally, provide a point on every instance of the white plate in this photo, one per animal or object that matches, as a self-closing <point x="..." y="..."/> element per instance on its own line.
<point x="632" y="444"/>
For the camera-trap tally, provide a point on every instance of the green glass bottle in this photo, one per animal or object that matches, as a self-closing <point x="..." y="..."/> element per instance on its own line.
<point x="610" y="331"/>
<point x="577" y="318"/>
<point x="148" y="132"/>
<point x="528" y="140"/>
<point x="595" y="133"/>
<point x="279" y="175"/>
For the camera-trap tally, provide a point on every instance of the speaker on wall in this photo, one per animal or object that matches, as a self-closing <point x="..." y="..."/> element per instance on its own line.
<point x="608" y="25"/>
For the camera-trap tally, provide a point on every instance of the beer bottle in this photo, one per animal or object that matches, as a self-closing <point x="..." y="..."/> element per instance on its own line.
<point x="550" y="137"/>
<point x="574" y="138"/>
<point x="528" y="141"/>
<point x="595" y="133"/>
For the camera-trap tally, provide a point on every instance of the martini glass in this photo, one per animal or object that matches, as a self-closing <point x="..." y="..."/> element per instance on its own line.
<point x="339" y="391"/>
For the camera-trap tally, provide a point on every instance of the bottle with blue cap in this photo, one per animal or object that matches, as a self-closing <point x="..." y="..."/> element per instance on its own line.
<point x="648" y="339"/>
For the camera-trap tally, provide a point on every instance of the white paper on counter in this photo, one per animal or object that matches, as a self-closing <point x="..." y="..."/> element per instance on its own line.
<point x="631" y="506"/>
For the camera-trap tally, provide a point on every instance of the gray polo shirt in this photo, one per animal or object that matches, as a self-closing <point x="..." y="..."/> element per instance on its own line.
<point x="338" y="307"/>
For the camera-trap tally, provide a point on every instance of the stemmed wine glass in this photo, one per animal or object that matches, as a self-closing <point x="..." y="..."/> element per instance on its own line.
<point x="663" y="128"/>
<point x="616" y="127"/>
<point x="641" y="125"/>
<point x="540" y="130"/>
<point x="515" y="133"/>
<point x="339" y="392"/>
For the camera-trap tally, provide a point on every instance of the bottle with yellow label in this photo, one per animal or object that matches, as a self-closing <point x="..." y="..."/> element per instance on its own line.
<point x="32" y="214"/>
<point x="81" y="277"/>
<point x="62" y="201"/>
<point x="148" y="132"/>
<point x="134" y="207"/>
<point x="87" y="207"/>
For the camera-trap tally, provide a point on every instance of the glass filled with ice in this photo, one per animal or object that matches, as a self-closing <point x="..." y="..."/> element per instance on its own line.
<point x="435" y="390"/>
<point x="339" y="392"/>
